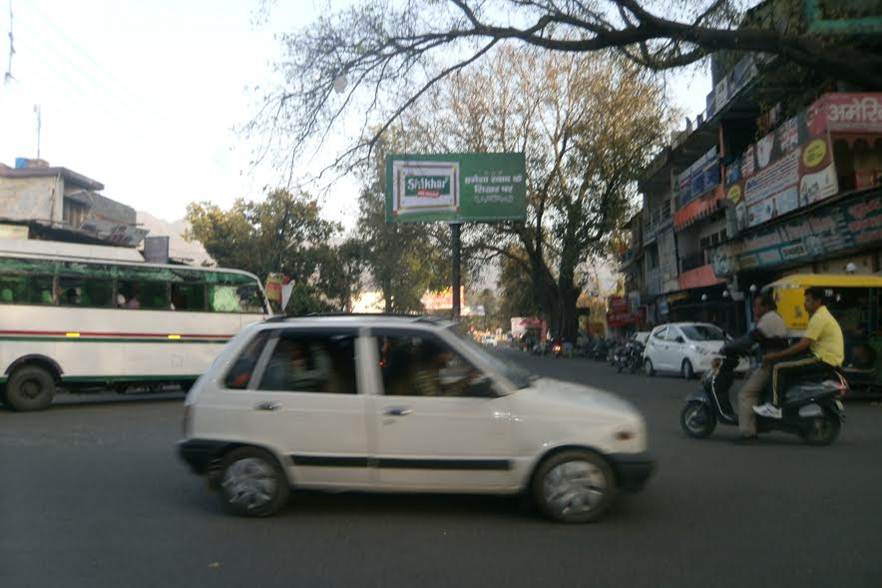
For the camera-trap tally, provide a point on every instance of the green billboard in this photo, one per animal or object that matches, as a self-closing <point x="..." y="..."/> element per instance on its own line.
<point x="456" y="187"/>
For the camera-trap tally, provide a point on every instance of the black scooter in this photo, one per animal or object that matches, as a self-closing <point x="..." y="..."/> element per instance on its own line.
<point x="811" y="409"/>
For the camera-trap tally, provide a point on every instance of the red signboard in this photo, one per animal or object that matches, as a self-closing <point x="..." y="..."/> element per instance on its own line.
<point x="699" y="278"/>
<point x="847" y="112"/>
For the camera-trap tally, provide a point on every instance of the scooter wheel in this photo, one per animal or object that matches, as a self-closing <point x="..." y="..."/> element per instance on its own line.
<point x="822" y="430"/>
<point x="698" y="420"/>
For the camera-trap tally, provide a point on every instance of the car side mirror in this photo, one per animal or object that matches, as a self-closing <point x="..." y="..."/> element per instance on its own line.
<point x="680" y="340"/>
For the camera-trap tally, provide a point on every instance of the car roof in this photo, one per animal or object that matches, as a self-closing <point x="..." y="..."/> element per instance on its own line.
<point x="359" y="320"/>
<point x="684" y="324"/>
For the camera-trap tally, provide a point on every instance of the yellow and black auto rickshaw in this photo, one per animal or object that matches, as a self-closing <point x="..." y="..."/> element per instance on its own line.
<point x="856" y="302"/>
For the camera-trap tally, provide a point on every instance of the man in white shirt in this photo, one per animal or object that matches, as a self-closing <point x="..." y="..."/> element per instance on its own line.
<point x="771" y="334"/>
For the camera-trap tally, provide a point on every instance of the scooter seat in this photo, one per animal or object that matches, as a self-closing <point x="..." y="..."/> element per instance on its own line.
<point x="810" y="392"/>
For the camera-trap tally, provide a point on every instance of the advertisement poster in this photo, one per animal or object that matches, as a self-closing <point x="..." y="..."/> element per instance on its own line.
<point x="456" y="187"/>
<point x="789" y="168"/>
<point x="830" y="229"/>
<point x="699" y="179"/>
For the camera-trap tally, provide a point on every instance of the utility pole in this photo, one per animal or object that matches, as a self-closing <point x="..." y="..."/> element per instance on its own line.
<point x="457" y="280"/>
<point x="39" y="127"/>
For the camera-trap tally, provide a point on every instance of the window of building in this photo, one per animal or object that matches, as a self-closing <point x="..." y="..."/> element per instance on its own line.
<point x="312" y="362"/>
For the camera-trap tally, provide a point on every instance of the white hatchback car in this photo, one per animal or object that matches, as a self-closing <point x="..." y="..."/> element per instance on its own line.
<point x="684" y="348"/>
<point x="402" y="404"/>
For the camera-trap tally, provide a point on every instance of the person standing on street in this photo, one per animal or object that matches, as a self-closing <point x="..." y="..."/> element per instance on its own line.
<point x="771" y="334"/>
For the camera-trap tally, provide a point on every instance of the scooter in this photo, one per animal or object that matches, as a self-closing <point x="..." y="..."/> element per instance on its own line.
<point x="811" y="409"/>
<point x="633" y="357"/>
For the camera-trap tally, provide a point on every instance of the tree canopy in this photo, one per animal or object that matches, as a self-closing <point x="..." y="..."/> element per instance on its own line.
<point x="374" y="60"/>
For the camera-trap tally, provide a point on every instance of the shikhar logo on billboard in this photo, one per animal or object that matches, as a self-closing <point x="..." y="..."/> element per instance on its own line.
<point x="423" y="186"/>
<point x="456" y="187"/>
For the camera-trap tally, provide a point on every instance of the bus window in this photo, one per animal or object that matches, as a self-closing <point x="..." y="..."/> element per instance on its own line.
<point x="229" y="298"/>
<point x="12" y="289"/>
<point x="81" y="291"/>
<point x="40" y="290"/>
<point x="135" y="294"/>
<point x="188" y="296"/>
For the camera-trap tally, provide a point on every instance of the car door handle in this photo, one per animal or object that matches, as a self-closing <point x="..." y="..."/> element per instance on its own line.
<point x="397" y="411"/>
<point x="267" y="406"/>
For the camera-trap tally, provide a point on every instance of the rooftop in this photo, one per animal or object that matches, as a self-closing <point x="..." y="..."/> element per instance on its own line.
<point x="70" y="177"/>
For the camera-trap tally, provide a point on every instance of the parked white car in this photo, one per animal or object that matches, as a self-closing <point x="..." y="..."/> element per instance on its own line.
<point x="684" y="348"/>
<point x="489" y="340"/>
<point x="402" y="405"/>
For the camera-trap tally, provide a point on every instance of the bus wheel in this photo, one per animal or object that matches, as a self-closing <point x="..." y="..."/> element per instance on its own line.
<point x="30" y="388"/>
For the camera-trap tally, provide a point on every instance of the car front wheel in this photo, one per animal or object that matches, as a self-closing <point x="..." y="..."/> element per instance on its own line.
<point x="252" y="483"/>
<point x="648" y="367"/>
<point x="574" y="487"/>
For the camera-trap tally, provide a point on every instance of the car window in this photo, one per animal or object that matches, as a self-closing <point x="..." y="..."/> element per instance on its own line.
<point x="303" y="361"/>
<point x="243" y="368"/>
<point x="704" y="333"/>
<point x="660" y="334"/>
<point x="424" y="365"/>
<point x="673" y="333"/>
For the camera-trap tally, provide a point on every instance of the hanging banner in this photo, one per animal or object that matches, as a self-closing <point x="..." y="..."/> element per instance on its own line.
<point x="456" y="187"/>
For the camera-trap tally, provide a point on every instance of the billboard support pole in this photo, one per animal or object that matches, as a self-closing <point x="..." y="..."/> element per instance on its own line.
<point x="457" y="279"/>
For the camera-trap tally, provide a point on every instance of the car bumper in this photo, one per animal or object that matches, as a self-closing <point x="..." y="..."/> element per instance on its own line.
<point x="632" y="469"/>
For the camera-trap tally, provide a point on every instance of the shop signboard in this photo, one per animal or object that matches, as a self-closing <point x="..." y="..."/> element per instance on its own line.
<point x="789" y="168"/>
<point x="456" y="187"/>
<point x="848" y="112"/>
<point x="699" y="179"/>
<point x="830" y="229"/>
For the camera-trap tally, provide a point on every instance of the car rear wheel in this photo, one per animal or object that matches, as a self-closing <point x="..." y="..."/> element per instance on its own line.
<point x="574" y="486"/>
<point x="687" y="370"/>
<point x="30" y="387"/>
<point x="252" y="483"/>
<point x="648" y="368"/>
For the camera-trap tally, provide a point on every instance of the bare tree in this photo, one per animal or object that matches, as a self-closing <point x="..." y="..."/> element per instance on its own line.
<point x="587" y="125"/>
<point x="357" y="70"/>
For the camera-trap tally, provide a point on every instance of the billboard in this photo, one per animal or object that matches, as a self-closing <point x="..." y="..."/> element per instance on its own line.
<point x="699" y="179"/>
<point x="839" y="17"/>
<point x="789" y="168"/>
<point x="456" y="187"/>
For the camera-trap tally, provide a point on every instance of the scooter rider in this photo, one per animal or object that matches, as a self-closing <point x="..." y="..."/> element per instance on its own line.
<point x="820" y="351"/>
<point x="771" y="334"/>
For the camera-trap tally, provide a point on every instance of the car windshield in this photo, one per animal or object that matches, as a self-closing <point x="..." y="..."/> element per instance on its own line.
<point x="703" y="333"/>
<point x="515" y="374"/>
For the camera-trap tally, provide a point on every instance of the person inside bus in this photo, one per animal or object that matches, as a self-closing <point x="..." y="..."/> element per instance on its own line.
<point x="130" y="296"/>
<point x="820" y="352"/>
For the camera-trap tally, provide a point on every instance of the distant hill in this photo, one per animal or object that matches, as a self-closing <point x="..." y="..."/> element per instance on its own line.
<point x="193" y="253"/>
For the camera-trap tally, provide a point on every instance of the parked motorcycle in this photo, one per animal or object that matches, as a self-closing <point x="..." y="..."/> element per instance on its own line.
<point x="811" y="409"/>
<point x="630" y="357"/>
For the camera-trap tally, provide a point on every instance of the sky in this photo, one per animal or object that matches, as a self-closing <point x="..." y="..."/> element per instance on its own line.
<point x="145" y="97"/>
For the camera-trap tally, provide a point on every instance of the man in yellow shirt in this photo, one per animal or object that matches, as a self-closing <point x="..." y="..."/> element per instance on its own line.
<point x="820" y="350"/>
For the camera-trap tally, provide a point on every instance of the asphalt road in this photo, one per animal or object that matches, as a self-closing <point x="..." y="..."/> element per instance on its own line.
<point x="92" y="494"/>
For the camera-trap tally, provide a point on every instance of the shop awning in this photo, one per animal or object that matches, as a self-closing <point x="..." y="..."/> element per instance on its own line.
<point x="698" y="209"/>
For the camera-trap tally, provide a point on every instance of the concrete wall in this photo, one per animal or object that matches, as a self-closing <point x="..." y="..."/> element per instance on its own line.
<point x="39" y="199"/>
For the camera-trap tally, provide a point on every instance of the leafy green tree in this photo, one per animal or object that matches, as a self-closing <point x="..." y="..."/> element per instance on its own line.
<point x="283" y="234"/>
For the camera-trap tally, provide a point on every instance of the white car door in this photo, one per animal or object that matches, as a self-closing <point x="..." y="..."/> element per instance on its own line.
<point x="656" y="347"/>
<point x="433" y="430"/>
<point x="307" y="404"/>
<point x="676" y="350"/>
